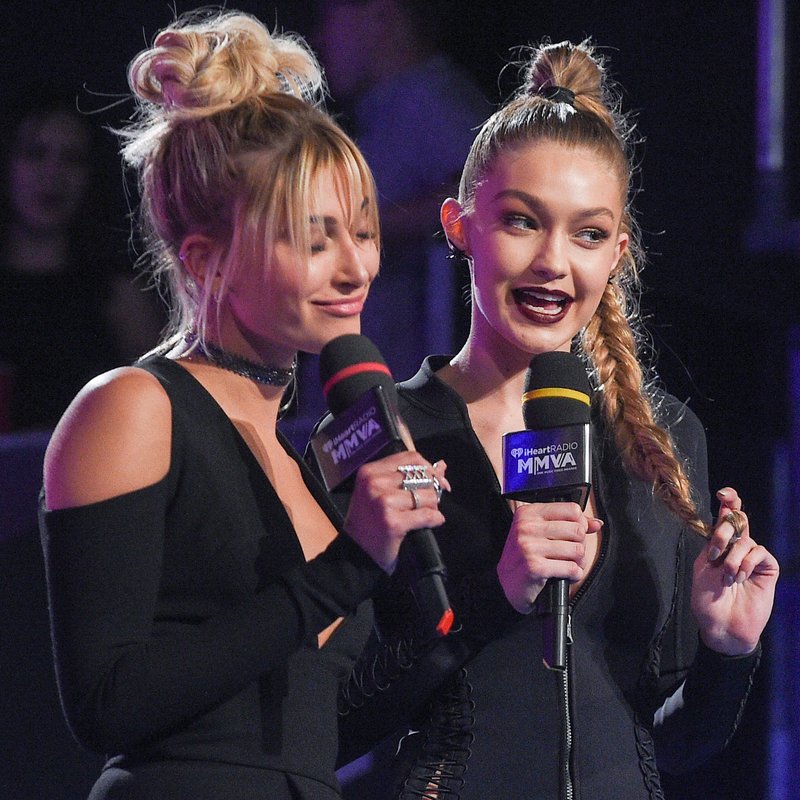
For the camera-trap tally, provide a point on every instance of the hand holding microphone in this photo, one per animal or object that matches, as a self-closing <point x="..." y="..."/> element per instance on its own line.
<point x="546" y="540"/>
<point x="382" y="511"/>
<point x="549" y="463"/>
<point x="395" y="491"/>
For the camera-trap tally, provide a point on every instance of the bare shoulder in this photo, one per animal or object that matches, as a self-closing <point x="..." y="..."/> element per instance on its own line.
<point x="114" y="438"/>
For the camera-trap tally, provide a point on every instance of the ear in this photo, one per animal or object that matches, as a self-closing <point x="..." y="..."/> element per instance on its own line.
<point x="452" y="216"/>
<point x="197" y="255"/>
<point x="622" y="245"/>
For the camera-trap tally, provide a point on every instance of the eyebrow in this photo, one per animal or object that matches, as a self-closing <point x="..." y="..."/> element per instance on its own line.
<point x="536" y="204"/>
<point x="314" y="219"/>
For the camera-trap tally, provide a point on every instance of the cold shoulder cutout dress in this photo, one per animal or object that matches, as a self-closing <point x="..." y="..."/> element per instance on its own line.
<point x="185" y="618"/>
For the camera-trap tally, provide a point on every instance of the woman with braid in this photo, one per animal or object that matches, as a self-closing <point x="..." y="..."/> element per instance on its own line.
<point x="667" y="603"/>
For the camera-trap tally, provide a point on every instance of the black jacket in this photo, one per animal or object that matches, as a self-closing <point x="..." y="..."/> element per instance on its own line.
<point x="488" y="719"/>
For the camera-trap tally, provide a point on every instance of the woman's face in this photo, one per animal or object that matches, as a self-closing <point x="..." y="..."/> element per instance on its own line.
<point x="543" y="237"/>
<point x="301" y="301"/>
<point x="49" y="172"/>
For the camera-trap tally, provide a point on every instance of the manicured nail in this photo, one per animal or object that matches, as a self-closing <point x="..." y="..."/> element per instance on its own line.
<point x="741" y="576"/>
<point x="722" y="493"/>
<point x="728" y="580"/>
<point x="714" y="553"/>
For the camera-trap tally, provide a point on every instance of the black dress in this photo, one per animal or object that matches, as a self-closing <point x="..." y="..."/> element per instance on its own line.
<point x="184" y="619"/>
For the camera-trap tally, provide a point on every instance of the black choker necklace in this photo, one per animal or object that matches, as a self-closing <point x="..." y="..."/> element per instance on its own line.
<point x="261" y="373"/>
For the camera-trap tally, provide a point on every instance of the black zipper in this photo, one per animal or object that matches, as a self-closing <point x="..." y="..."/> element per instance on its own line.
<point x="567" y="776"/>
<point x="566" y="766"/>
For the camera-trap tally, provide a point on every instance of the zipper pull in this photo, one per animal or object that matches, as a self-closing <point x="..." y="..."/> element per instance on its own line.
<point x="569" y="628"/>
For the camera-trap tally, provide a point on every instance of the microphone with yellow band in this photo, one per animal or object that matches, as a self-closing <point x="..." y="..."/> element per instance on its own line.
<point x="551" y="462"/>
<point x="552" y="391"/>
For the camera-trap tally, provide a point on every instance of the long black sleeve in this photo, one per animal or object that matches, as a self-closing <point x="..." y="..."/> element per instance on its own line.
<point x="129" y="669"/>
<point x="703" y="692"/>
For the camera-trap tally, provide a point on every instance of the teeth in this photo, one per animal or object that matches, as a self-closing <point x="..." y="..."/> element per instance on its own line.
<point x="542" y="302"/>
<point x="549" y="298"/>
<point x="542" y="310"/>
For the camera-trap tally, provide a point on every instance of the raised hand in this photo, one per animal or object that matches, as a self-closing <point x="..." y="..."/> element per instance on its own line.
<point x="734" y="579"/>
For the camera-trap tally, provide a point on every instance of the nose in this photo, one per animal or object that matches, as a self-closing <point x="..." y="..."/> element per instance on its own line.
<point x="550" y="259"/>
<point x="356" y="267"/>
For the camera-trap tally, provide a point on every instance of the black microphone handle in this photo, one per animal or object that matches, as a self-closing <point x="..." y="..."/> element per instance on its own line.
<point x="420" y="556"/>
<point x="553" y="606"/>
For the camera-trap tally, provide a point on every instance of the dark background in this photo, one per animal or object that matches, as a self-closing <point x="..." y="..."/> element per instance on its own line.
<point x="718" y="312"/>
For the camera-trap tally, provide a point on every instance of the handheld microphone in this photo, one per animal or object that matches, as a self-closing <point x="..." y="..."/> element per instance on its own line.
<point x="361" y="395"/>
<point x="551" y="462"/>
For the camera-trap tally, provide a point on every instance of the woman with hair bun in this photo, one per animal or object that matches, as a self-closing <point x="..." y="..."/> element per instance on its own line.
<point x="666" y="605"/>
<point x="204" y="593"/>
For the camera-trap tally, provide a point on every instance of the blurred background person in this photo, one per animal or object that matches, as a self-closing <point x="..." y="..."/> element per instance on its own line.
<point x="412" y="110"/>
<point x="69" y="306"/>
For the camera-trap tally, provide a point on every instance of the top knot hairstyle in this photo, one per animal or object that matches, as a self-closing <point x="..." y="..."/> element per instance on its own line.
<point x="198" y="67"/>
<point x="228" y="140"/>
<point x="567" y="97"/>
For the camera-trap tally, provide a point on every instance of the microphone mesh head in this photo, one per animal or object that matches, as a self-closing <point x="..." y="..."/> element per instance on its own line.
<point x="557" y="391"/>
<point x="349" y="365"/>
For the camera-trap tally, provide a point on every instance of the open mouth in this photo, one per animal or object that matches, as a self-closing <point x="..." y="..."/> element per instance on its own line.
<point x="548" y="304"/>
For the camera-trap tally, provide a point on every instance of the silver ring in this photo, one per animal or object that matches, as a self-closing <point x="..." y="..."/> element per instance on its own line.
<point x="414" y="498"/>
<point x="415" y="476"/>
<point x="437" y="487"/>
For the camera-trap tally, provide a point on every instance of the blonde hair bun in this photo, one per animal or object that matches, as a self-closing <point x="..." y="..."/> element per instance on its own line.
<point x="201" y="65"/>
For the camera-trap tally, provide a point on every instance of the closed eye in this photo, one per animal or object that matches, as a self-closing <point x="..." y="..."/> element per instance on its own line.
<point x="319" y="236"/>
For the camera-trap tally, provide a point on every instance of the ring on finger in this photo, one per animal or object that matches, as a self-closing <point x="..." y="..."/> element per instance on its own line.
<point x="414" y="498"/>
<point x="437" y="487"/>
<point x="415" y="476"/>
<point x="737" y="522"/>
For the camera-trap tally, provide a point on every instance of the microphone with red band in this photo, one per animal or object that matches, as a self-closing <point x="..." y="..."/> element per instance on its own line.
<point x="551" y="462"/>
<point x="356" y="372"/>
<point x="366" y="426"/>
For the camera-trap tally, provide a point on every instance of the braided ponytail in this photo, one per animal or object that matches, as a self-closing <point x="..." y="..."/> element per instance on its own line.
<point x="609" y="343"/>
<point x="567" y="97"/>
